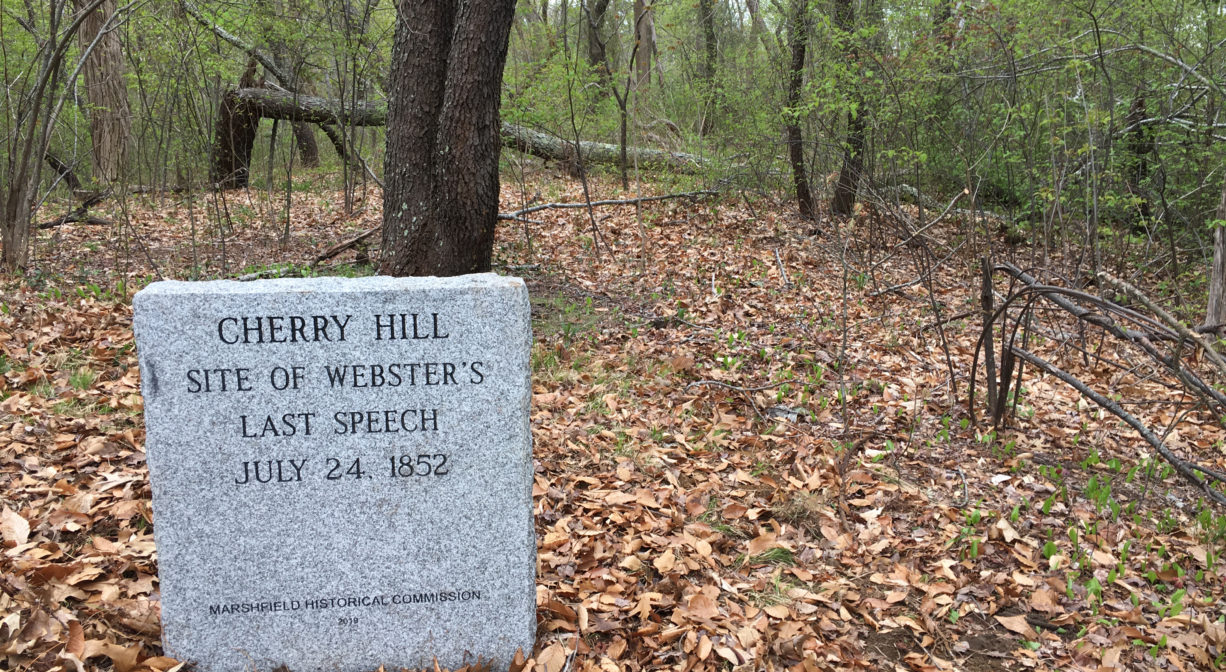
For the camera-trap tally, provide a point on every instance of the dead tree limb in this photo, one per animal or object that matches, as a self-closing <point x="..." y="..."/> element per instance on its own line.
<point x="1144" y="339"/>
<point x="273" y="104"/>
<point x="1182" y="467"/>
<point x="1179" y="327"/>
<point x="65" y="172"/>
<point x="77" y="216"/>
<point x="346" y="244"/>
<point x="626" y="201"/>
<point x="518" y="216"/>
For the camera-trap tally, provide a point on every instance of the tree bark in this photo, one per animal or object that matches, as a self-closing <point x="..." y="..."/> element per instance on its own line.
<point x="234" y="137"/>
<point x="594" y="19"/>
<point x="645" y="42"/>
<point x="110" y="118"/>
<point x="843" y="202"/>
<point x="798" y="35"/>
<point x="1215" y="316"/>
<point x="758" y="29"/>
<point x="846" y="190"/>
<point x="304" y="140"/>
<point x="706" y="10"/>
<point x="440" y="202"/>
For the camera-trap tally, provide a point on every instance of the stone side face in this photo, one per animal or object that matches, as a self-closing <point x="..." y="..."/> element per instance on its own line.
<point x="341" y="470"/>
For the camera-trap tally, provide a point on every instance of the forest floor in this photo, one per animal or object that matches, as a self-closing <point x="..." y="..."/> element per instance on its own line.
<point x="750" y="456"/>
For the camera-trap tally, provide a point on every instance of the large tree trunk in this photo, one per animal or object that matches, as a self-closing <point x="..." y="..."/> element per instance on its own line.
<point x="843" y="202"/>
<point x="758" y="30"/>
<point x="846" y="189"/>
<point x="645" y="42"/>
<point x="304" y="135"/>
<point x="234" y="137"/>
<point x="110" y="118"/>
<point x="798" y="35"/>
<point x="594" y="20"/>
<point x="272" y="104"/>
<point x="1215" y="317"/>
<point x="440" y="202"/>
<point x="304" y="140"/>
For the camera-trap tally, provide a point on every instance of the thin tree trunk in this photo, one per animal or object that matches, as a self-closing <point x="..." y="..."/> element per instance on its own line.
<point x="1140" y="145"/>
<point x="110" y="118"/>
<point x="706" y="10"/>
<point x="1216" y="315"/>
<point x="798" y="35"/>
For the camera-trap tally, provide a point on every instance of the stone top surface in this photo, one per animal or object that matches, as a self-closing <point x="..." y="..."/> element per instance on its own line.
<point x="341" y="470"/>
<point x="327" y="284"/>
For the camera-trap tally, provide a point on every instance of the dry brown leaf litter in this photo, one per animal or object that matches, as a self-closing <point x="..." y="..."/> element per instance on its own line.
<point x="700" y="501"/>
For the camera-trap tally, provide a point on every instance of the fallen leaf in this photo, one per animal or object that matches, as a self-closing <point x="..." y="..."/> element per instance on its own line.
<point x="1018" y="625"/>
<point x="14" y="528"/>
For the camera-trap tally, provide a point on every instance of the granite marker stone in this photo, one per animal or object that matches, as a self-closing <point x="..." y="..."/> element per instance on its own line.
<point x="341" y="470"/>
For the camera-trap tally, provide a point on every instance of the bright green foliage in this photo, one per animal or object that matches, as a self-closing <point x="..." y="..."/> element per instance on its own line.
<point x="1094" y="125"/>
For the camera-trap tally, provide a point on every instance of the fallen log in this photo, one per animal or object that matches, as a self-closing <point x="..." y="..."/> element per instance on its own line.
<point x="273" y="104"/>
<point x="553" y="148"/>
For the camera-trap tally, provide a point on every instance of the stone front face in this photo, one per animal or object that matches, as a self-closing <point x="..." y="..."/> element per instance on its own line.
<point x="341" y="470"/>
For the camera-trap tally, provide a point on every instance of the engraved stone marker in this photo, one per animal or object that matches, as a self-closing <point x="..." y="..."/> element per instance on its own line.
<point x="341" y="470"/>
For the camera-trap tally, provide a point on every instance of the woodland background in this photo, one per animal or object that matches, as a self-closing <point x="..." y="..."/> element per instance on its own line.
<point x="889" y="341"/>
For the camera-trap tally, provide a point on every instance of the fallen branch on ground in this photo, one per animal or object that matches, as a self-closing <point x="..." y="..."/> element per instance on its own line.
<point x="77" y="216"/>
<point x="518" y="216"/>
<point x="1144" y="339"/>
<point x="346" y="244"/>
<point x="693" y="195"/>
<point x="1179" y="327"/>
<point x="1182" y="467"/>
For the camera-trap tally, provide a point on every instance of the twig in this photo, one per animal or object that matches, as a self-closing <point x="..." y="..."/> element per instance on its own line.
<point x="369" y="172"/>
<point x="1179" y="327"/>
<point x="947" y="320"/>
<point x="783" y="272"/>
<point x="894" y="288"/>
<point x="345" y="245"/>
<point x="738" y="388"/>
<point x="745" y="391"/>
<point x="626" y="201"/>
<point x="517" y="216"/>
